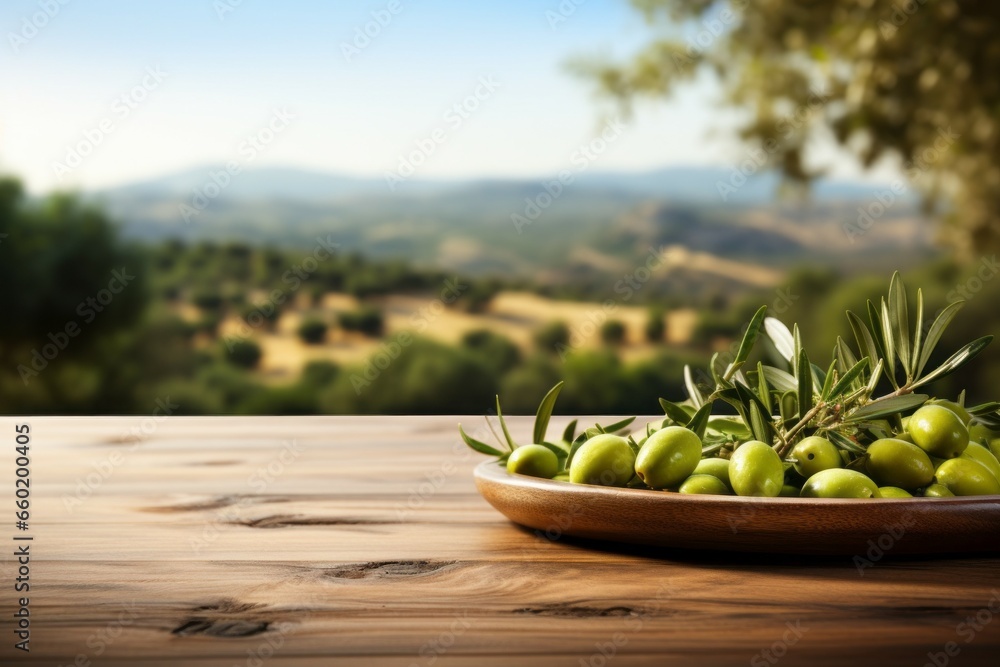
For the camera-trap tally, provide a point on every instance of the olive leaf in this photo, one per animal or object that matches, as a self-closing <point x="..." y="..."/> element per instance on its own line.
<point x="918" y="336"/>
<point x="763" y="390"/>
<point x="845" y="356"/>
<point x="828" y="381"/>
<point x="580" y="439"/>
<point x="699" y="422"/>
<point x="984" y="409"/>
<point x="781" y="337"/>
<point x="847" y="379"/>
<point x="956" y="361"/>
<point x="728" y="425"/>
<point x="675" y="412"/>
<point x="503" y="426"/>
<point x="617" y="426"/>
<point x="843" y="442"/>
<point x="692" y="389"/>
<point x="780" y="380"/>
<point x="899" y="321"/>
<point x="746" y="345"/>
<point x="561" y="452"/>
<point x="570" y="431"/>
<point x="545" y="413"/>
<point x="480" y="447"/>
<point x="889" y="341"/>
<point x="761" y="426"/>
<point x="941" y="323"/>
<point x="887" y="406"/>
<point x="805" y="384"/>
<point x="866" y="343"/>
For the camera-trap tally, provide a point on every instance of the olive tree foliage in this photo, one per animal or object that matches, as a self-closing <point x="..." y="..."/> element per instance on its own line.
<point x="913" y="80"/>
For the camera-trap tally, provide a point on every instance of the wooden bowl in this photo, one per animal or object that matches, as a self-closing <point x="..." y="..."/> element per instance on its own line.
<point x="868" y="529"/>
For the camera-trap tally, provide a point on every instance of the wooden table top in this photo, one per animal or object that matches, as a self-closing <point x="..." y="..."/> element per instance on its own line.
<point x="362" y="540"/>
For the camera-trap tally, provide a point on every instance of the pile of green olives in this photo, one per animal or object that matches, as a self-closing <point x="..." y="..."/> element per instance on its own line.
<point x="936" y="454"/>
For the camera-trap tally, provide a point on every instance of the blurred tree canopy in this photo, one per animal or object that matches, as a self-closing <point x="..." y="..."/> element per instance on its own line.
<point x="908" y="78"/>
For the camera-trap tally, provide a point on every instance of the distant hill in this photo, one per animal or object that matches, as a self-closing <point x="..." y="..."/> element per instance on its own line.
<point x="601" y="226"/>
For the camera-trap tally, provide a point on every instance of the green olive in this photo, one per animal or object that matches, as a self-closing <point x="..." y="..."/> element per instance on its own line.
<point x="605" y="460"/>
<point x="789" y="491"/>
<point x="813" y="454"/>
<point x="755" y="469"/>
<point x="533" y="460"/>
<point x="977" y="452"/>
<point x="905" y="437"/>
<point x="939" y="431"/>
<point x="981" y="433"/>
<point x="995" y="447"/>
<point x="668" y="457"/>
<point x="966" y="477"/>
<point x="897" y="463"/>
<point x="938" y="491"/>
<point x="959" y="411"/>
<point x="705" y="484"/>
<point x="840" y="483"/>
<point x="714" y="467"/>
<point x="894" y="492"/>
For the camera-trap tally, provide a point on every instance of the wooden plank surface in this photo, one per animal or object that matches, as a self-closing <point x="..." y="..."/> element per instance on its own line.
<point x="362" y="540"/>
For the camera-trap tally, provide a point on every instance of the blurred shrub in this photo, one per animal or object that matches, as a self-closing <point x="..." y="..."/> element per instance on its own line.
<point x="613" y="332"/>
<point x="552" y="337"/>
<point x="242" y="353"/>
<point x="656" y="325"/>
<point x="367" y="320"/>
<point x="494" y="350"/>
<point x="312" y="331"/>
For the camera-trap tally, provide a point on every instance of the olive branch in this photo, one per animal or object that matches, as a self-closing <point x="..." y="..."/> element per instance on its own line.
<point x="780" y="406"/>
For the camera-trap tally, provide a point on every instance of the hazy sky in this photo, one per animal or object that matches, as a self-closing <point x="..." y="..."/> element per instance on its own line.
<point x="148" y="88"/>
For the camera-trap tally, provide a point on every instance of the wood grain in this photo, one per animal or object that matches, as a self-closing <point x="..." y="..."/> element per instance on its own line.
<point x="346" y="540"/>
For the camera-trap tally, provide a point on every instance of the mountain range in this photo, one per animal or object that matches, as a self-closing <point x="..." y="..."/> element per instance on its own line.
<point x="598" y="225"/>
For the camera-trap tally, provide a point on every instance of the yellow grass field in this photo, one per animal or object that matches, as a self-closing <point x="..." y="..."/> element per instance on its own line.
<point x="515" y="315"/>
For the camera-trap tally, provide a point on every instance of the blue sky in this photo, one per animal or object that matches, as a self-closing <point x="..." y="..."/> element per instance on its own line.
<point x="225" y="73"/>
